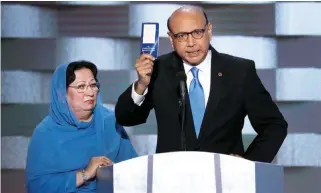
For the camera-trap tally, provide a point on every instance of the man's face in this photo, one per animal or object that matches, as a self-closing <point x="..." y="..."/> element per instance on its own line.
<point x="190" y="36"/>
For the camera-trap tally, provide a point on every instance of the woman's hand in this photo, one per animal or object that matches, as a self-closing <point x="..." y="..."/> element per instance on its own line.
<point x="96" y="162"/>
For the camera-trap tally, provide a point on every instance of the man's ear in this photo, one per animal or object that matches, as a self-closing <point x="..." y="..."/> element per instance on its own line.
<point x="210" y="31"/>
<point x="170" y="39"/>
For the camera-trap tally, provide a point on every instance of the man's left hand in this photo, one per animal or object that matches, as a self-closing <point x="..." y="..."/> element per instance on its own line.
<point x="236" y="155"/>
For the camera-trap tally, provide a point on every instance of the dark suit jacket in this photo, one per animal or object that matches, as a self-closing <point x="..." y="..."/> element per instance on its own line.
<point x="233" y="95"/>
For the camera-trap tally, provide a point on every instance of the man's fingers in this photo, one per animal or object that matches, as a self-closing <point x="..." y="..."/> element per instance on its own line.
<point x="148" y="56"/>
<point x="144" y="59"/>
<point x="140" y="69"/>
<point x="144" y="63"/>
<point x="146" y="72"/>
<point x="236" y="155"/>
<point x="145" y="69"/>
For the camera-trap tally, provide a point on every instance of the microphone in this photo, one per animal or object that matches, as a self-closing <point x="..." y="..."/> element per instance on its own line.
<point x="182" y="82"/>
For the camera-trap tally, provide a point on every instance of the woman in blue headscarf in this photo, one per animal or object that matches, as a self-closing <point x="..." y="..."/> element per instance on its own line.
<point x="78" y="136"/>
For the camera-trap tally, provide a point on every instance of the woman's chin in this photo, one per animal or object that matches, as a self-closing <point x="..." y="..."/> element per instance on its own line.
<point x="89" y="107"/>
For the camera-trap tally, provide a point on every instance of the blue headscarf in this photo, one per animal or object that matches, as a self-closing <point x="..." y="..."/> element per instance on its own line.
<point x="61" y="145"/>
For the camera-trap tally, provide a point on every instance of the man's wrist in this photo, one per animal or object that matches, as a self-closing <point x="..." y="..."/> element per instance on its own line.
<point x="140" y="88"/>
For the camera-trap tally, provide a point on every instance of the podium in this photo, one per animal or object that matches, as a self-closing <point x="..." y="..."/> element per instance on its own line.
<point x="190" y="172"/>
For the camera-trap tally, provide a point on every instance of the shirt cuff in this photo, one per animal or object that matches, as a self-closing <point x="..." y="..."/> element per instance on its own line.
<point x="137" y="98"/>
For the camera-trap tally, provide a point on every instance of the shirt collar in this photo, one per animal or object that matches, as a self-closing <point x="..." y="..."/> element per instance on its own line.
<point x="205" y="66"/>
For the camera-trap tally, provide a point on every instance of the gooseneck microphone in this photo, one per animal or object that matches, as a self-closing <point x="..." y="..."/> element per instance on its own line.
<point x="182" y="89"/>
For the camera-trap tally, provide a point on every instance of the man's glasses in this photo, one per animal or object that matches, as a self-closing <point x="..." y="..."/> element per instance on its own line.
<point x="83" y="87"/>
<point x="197" y="34"/>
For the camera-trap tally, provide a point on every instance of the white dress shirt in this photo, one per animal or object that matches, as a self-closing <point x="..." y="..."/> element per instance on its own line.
<point x="204" y="76"/>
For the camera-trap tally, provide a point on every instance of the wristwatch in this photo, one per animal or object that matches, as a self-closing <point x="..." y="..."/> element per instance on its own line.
<point x="84" y="177"/>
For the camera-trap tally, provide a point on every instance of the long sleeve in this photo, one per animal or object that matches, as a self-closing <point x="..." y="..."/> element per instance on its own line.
<point x="130" y="114"/>
<point x="138" y="99"/>
<point x="53" y="183"/>
<point x="265" y="118"/>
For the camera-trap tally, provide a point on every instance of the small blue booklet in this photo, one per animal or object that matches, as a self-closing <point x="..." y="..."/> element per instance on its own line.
<point x="149" y="39"/>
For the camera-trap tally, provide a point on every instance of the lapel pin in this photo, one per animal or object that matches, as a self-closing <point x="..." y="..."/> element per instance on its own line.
<point x="220" y="74"/>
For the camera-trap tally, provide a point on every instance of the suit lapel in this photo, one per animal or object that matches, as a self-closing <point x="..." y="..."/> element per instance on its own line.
<point x="174" y="66"/>
<point x="218" y="89"/>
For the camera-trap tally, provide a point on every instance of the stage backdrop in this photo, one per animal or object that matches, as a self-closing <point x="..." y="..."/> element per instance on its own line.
<point x="284" y="39"/>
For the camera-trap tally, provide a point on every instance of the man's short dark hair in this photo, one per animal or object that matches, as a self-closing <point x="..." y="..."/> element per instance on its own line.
<point x="205" y="16"/>
<point x="77" y="65"/>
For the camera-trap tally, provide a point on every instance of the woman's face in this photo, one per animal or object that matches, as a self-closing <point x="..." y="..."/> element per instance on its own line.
<point x="82" y="93"/>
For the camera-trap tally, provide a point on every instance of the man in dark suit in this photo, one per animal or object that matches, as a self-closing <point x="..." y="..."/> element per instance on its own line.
<point x="221" y="91"/>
